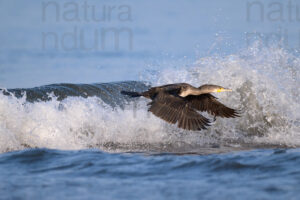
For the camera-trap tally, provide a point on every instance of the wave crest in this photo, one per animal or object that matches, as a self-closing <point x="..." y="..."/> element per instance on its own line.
<point x="266" y="88"/>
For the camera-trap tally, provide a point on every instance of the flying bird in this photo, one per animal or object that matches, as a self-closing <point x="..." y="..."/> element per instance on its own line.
<point x="181" y="103"/>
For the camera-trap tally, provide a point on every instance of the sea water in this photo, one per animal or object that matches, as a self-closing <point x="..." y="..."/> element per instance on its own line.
<point x="66" y="132"/>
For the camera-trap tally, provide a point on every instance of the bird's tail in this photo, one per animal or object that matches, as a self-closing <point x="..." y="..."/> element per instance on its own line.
<point x="131" y="94"/>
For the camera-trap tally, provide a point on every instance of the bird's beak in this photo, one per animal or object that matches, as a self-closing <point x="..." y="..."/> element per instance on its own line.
<point x="224" y="90"/>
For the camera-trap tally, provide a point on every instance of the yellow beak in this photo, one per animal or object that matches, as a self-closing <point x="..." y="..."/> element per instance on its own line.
<point x="224" y="90"/>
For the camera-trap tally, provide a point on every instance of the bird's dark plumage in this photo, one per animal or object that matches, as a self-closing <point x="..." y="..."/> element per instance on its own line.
<point x="180" y="103"/>
<point x="210" y="104"/>
<point x="131" y="94"/>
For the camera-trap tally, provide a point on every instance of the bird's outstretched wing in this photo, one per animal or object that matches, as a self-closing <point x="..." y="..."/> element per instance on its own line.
<point x="210" y="104"/>
<point x="175" y="109"/>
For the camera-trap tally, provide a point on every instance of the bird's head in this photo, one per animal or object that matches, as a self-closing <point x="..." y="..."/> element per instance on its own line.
<point x="213" y="88"/>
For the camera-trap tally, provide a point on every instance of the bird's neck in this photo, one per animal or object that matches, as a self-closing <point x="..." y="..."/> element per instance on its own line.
<point x="192" y="91"/>
<point x="197" y="91"/>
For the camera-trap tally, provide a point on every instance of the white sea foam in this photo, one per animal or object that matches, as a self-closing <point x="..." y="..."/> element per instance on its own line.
<point x="266" y="88"/>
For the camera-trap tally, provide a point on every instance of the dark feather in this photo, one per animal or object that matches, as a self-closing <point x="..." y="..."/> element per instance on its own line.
<point x="131" y="94"/>
<point x="175" y="109"/>
<point x="210" y="104"/>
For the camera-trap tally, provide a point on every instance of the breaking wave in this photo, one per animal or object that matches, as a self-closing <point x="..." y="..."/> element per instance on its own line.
<point x="79" y="116"/>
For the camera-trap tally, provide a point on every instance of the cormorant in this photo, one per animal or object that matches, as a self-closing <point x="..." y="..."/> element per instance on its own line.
<point x="182" y="102"/>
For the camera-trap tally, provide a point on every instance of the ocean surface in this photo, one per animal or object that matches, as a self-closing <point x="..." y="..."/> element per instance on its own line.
<point x="93" y="174"/>
<point x="66" y="132"/>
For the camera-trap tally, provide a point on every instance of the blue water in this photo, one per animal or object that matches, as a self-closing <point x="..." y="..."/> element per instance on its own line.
<point x="92" y="174"/>
<point x="66" y="132"/>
